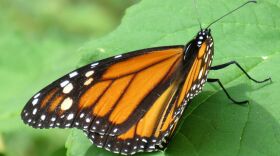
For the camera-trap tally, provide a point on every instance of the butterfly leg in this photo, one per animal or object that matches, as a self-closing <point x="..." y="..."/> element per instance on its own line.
<point x="221" y="66"/>
<point x="221" y="85"/>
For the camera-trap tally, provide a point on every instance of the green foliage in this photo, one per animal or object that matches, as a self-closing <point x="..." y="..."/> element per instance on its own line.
<point x="211" y="125"/>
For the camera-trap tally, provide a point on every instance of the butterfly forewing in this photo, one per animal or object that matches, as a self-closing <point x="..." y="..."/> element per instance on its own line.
<point x="107" y="97"/>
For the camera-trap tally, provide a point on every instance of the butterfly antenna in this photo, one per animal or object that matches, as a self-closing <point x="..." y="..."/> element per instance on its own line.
<point x="196" y="10"/>
<point x="252" y="1"/>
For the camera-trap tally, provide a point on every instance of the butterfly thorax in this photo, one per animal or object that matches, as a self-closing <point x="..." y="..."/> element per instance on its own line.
<point x="200" y="46"/>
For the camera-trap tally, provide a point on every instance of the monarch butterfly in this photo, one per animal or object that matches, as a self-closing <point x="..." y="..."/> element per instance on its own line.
<point x="132" y="102"/>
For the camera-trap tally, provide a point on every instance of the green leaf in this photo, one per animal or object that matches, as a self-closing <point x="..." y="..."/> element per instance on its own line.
<point x="77" y="144"/>
<point x="211" y="125"/>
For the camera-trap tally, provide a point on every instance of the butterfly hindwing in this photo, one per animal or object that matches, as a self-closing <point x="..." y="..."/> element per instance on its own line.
<point x="108" y="95"/>
<point x="146" y="134"/>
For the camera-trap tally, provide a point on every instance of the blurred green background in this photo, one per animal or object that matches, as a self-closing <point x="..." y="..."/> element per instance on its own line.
<point x="39" y="41"/>
<point x="43" y="40"/>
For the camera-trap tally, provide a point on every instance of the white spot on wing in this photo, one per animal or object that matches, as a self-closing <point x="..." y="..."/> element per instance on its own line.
<point x="202" y="81"/>
<point x="115" y="130"/>
<point x="87" y="120"/>
<point x="144" y="140"/>
<point x="37" y="95"/>
<point x="53" y="119"/>
<point x="43" y="117"/>
<point x="94" y="64"/>
<point x="66" y="104"/>
<point x="68" y="88"/>
<point x="210" y="63"/>
<point x="67" y="125"/>
<point x="194" y="86"/>
<point x="89" y="73"/>
<point x="34" y="102"/>
<point x="88" y="81"/>
<point x="64" y="83"/>
<point x="34" y="111"/>
<point x="211" y="44"/>
<point x="206" y="59"/>
<point x="200" y="73"/>
<point x="70" y="116"/>
<point x="118" y="56"/>
<point x="71" y="75"/>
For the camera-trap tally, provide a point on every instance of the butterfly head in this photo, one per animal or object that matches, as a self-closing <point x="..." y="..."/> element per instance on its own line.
<point x="202" y="35"/>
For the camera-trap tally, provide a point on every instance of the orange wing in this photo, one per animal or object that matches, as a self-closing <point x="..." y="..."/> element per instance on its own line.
<point x="155" y="128"/>
<point x="107" y="97"/>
